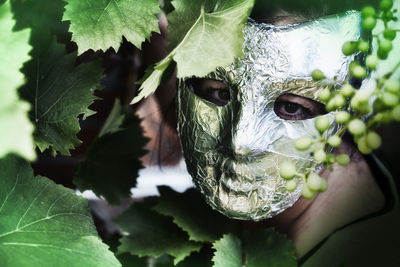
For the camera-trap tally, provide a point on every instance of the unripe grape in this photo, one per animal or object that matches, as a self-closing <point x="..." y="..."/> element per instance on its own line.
<point x="317" y="75"/>
<point x="314" y="181"/>
<point x="360" y="106"/>
<point x="334" y="140"/>
<point x="331" y="105"/>
<point x="371" y="61"/>
<point x="382" y="54"/>
<point x="324" y="95"/>
<point x="359" y="72"/>
<point x="392" y="86"/>
<point x="320" y="156"/>
<point x="353" y="64"/>
<point x="343" y="159"/>
<point x="357" y="127"/>
<point x="322" y="123"/>
<point x="363" y="96"/>
<point x="363" y="46"/>
<point x="349" y="48"/>
<point x="307" y="193"/>
<point x="303" y="143"/>
<point x="368" y="23"/>
<point x="384" y="116"/>
<point x="330" y="158"/>
<point x="396" y="113"/>
<point x="374" y="141"/>
<point x="323" y="185"/>
<point x="339" y="101"/>
<point x="385" y="45"/>
<point x="378" y="105"/>
<point x="342" y="117"/>
<point x="347" y="90"/>
<point x="368" y="11"/>
<point x="287" y="170"/>
<point x="386" y="5"/>
<point x="291" y="185"/>
<point x="388" y="15"/>
<point x="389" y="34"/>
<point x="390" y="99"/>
<point x="362" y="145"/>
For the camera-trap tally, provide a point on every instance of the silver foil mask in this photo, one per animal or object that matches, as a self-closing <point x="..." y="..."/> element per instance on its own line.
<point x="233" y="151"/>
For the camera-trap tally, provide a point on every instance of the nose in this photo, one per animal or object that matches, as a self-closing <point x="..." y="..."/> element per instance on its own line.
<point x="247" y="138"/>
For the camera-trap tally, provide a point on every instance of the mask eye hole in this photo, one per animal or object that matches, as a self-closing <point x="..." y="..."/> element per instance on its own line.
<point x="295" y="107"/>
<point x="214" y="91"/>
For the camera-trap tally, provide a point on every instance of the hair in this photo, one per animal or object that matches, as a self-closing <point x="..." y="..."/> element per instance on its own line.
<point x="168" y="151"/>
<point x="310" y="9"/>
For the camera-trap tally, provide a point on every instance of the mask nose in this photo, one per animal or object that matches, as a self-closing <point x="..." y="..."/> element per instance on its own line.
<point x="247" y="137"/>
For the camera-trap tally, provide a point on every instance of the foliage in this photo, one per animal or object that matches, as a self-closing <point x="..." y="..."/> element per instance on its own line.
<point x="58" y="92"/>
<point x="101" y="24"/>
<point x="112" y="163"/>
<point x="199" y="30"/>
<point x="14" y="122"/>
<point x="41" y="222"/>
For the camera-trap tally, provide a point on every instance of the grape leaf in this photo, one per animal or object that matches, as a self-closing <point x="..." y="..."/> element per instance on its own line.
<point x="151" y="234"/>
<point x="15" y="126"/>
<point x="204" y="35"/>
<point x="42" y="13"/>
<point x="112" y="163"/>
<point x="44" y="224"/>
<point x="191" y="213"/>
<point x="101" y="24"/>
<point x="259" y="247"/>
<point x="228" y="252"/>
<point x="58" y="92"/>
<point x="268" y="248"/>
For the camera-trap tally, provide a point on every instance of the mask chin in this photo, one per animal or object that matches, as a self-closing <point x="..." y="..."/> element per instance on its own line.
<point x="233" y="151"/>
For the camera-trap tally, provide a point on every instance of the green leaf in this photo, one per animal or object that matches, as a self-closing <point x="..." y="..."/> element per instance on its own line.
<point x="101" y="24"/>
<point x="228" y="252"/>
<point x="260" y="248"/>
<point x="112" y="162"/>
<point x="191" y="213"/>
<point x="268" y="248"/>
<point x="148" y="233"/>
<point x="44" y="224"/>
<point x="58" y="92"/>
<point x="204" y="35"/>
<point x="38" y="13"/>
<point x="15" y="127"/>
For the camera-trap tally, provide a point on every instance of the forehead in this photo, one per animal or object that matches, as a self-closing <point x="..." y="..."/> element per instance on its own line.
<point x="292" y="52"/>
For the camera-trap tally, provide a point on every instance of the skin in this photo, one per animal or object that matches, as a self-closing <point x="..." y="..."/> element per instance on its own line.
<point x="352" y="190"/>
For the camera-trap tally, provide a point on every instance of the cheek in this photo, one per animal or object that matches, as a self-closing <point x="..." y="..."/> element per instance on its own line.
<point x="201" y="125"/>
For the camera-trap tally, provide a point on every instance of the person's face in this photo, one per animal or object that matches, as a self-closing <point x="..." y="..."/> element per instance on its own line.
<point x="238" y="124"/>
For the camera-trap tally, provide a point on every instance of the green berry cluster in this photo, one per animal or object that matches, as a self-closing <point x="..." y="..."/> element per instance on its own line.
<point x="359" y="112"/>
<point x="312" y="182"/>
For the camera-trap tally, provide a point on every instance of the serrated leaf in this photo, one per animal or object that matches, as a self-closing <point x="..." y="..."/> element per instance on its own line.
<point x="268" y="248"/>
<point x="15" y="126"/>
<point x="204" y="35"/>
<point x="112" y="163"/>
<point x="58" y="92"/>
<point x="44" y="224"/>
<point x="258" y="247"/>
<point x="149" y="233"/>
<point x="38" y="13"/>
<point x="228" y="252"/>
<point x="201" y="223"/>
<point x="99" y="25"/>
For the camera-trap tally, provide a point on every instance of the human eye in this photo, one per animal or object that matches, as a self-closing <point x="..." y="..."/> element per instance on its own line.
<point x="295" y="107"/>
<point x="214" y="91"/>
